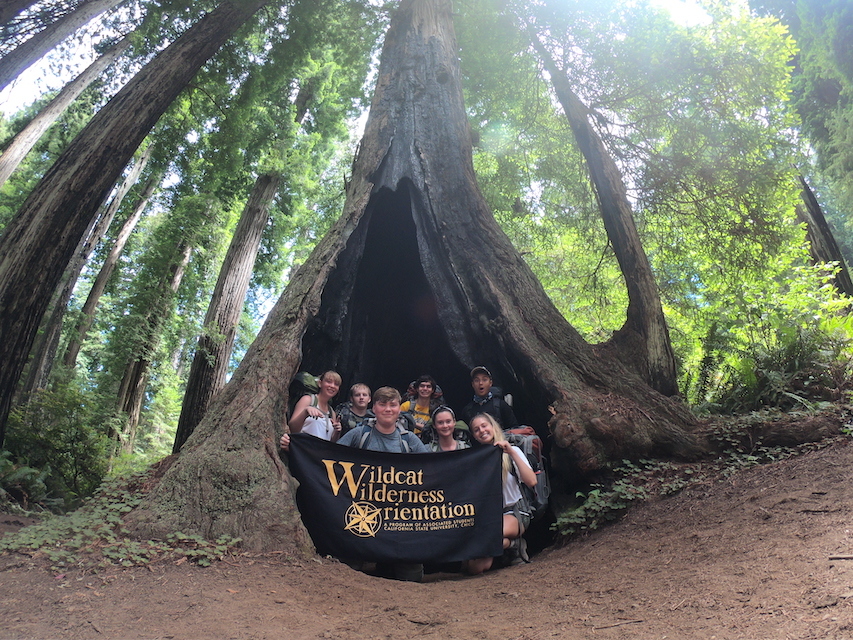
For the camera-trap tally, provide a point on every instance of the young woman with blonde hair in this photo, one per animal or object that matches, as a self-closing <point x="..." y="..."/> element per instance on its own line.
<point x="514" y="469"/>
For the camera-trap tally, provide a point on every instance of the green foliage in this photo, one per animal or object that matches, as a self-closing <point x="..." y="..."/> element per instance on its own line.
<point x="93" y="535"/>
<point x="783" y="342"/>
<point x="59" y="433"/>
<point x="21" y="484"/>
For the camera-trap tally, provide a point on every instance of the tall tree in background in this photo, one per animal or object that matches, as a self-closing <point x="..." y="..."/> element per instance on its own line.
<point x="87" y="313"/>
<point x="27" y="137"/>
<point x="824" y="248"/>
<point x="210" y="364"/>
<point x="33" y="49"/>
<point x="645" y="334"/>
<point x="45" y="347"/>
<point x="38" y="243"/>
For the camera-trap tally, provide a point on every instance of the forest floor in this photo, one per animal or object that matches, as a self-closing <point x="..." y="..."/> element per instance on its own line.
<point x="747" y="556"/>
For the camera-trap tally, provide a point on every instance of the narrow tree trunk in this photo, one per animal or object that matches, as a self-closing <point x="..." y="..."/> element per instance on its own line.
<point x="44" y="351"/>
<point x="644" y="338"/>
<point x="87" y="314"/>
<point x="210" y="364"/>
<point x="10" y="8"/>
<point x="822" y="242"/>
<point x="29" y="135"/>
<point x="415" y="270"/>
<point x="132" y="389"/>
<point x="38" y="243"/>
<point x="31" y="51"/>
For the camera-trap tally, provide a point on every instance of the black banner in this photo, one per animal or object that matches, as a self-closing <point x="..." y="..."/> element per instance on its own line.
<point x="399" y="507"/>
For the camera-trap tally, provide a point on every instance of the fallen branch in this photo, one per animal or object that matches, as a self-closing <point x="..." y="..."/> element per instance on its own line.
<point x="843" y="557"/>
<point x="617" y="624"/>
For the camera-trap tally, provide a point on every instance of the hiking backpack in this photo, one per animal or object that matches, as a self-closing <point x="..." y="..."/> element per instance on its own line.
<point x="525" y="438"/>
<point x="303" y="384"/>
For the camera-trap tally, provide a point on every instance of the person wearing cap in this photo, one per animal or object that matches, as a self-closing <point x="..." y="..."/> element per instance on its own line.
<point x="487" y="401"/>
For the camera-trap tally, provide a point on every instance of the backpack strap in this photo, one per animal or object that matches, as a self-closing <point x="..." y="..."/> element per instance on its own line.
<point x="365" y="434"/>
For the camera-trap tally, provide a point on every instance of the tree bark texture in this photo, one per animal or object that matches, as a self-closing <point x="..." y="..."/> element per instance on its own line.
<point x="210" y="364"/>
<point x="415" y="276"/>
<point x="10" y="8"/>
<point x="21" y="144"/>
<point x="32" y="50"/>
<point x="822" y="244"/>
<point x="644" y="338"/>
<point x="40" y="240"/>
<point x="87" y="313"/>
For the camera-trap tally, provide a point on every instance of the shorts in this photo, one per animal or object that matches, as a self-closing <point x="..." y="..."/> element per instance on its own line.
<point x="522" y="517"/>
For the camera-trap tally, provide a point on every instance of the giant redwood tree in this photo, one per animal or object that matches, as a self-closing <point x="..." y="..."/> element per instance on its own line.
<point x="415" y="276"/>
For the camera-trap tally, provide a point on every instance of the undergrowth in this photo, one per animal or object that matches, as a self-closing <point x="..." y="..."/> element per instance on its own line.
<point x="635" y="481"/>
<point x="93" y="536"/>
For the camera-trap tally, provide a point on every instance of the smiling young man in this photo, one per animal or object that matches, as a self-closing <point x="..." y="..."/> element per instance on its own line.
<point x="384" y="434"/>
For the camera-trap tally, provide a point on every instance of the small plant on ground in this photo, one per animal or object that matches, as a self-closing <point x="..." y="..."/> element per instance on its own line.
<point x="94" y="535"/>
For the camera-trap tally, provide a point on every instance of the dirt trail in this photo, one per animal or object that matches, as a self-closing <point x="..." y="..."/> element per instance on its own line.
<point x="748" y="557"/>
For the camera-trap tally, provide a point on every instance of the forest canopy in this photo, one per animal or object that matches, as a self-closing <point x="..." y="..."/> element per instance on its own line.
<point x="714" y="127"/>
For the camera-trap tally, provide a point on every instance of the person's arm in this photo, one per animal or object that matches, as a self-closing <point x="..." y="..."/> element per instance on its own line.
<point x="284" y="442"/>
<point x="301" y="411"/>
<point x="525" y="471"/>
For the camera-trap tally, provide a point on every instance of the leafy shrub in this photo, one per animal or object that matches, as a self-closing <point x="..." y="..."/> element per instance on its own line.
<point x="58" y="432"/>
<point x="21" y="484"/>
<point x="781" y="345"/>
<point x="93" y="535"/>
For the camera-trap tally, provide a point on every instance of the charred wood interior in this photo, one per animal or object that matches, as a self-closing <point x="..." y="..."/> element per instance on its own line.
<point x="379" y="321"/>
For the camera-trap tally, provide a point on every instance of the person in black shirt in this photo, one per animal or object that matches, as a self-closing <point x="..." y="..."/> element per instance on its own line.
<point x="485" y="401"/>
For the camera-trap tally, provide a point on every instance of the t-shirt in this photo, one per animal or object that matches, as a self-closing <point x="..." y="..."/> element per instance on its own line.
<point x="349" y="419"/>
<point x="420" y="414"/>
<point x="320" y="427"/>
<point x="511" y="489"/>
<point x="389" y="443"/>
<point x="435" y="446"/>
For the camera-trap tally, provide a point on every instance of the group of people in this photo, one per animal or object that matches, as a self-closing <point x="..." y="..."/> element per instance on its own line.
<point x="435" y="427"/>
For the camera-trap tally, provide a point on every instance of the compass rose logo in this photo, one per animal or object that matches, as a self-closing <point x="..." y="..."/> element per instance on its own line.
<point x="363" y="519"/>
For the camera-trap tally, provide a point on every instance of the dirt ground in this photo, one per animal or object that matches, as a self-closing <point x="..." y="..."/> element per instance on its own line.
<point x="748" y="557"/>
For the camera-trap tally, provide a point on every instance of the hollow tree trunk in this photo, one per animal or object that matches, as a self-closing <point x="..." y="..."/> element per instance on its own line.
<point x="87" y="313"/>
<point x="21" y="144"/>
<point x="32" y="50"/>
<point x="822" y="244"/>
<point x="44" y="350"/>
<point x="413" y="216"/>
<point x="644" y="338"/>
<point x="210" y="364"/>
<point x="38" y="243"/>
